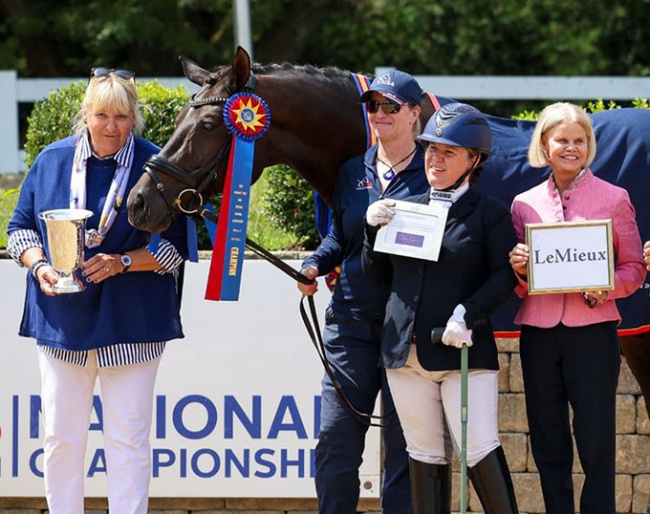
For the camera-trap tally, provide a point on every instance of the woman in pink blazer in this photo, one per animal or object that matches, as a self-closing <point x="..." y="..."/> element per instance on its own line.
<point x="569" y="348"/>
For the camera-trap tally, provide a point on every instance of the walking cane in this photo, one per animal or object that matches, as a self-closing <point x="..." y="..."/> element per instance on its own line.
<point x="436" y="337"/>
<point x="464" y="365"/>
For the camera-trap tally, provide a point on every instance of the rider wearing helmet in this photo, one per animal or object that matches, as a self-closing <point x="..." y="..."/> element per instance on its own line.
<point x="461" y="125"/>
<point x="458" y="289"/>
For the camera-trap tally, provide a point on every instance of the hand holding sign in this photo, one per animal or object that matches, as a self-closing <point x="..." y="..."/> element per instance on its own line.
<point x="519" y="259"/>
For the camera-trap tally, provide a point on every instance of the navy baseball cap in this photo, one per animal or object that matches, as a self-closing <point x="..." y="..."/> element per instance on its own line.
<point x="396" y="86"/>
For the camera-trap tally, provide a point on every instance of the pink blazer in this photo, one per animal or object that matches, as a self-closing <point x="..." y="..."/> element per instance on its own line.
<point x="589" y="198"/>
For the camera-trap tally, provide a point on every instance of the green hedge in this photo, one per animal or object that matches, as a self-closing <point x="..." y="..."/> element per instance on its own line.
<point x="289" y="204"/>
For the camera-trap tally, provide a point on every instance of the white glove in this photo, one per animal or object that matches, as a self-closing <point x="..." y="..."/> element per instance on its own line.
<point x="380" y="212"/>
<point x="456" y="332"/>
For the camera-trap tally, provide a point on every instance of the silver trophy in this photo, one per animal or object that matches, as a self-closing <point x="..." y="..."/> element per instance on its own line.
<point x="66" y="233"/>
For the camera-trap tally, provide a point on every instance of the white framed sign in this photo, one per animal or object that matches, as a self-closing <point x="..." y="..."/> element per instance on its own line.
<point x="570" y="257"/>
<point x="415" y="231"/>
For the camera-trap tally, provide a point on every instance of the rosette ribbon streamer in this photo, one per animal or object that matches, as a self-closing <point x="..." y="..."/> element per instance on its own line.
<point x="247" y="117"/>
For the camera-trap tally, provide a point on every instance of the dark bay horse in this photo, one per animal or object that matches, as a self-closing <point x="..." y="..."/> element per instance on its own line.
<point x="317" y="123"/>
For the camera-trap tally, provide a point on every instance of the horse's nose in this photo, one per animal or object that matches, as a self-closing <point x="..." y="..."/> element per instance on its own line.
<point x="137" y="209"/>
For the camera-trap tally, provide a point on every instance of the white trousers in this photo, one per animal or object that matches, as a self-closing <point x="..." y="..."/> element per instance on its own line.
<point x="428" y="406"/>
<point x="127" y="405"/>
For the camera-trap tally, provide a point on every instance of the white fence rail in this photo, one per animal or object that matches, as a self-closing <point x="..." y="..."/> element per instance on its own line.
<point x="14" y="91"/>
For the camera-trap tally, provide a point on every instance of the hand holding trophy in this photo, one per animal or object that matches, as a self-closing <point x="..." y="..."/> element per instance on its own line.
<point x="66" y="230"/>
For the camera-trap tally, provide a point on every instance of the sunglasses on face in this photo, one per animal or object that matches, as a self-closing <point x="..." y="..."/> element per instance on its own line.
<point x="388" y="107"/>
<point x="105" y="72"/>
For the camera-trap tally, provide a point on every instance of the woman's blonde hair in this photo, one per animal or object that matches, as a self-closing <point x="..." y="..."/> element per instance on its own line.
<point x="552" y="116"/>
<point x="110" y="92"/>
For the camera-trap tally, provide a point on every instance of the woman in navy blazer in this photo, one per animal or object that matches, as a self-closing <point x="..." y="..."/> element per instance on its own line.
<point x="470" y="278"/>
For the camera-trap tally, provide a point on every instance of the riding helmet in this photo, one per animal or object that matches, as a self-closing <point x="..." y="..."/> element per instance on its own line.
<point x="458" y="124"/>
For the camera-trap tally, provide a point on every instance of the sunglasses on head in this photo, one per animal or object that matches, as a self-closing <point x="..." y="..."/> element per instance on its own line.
<point x="105" y="72"/>
<point x="387" y="107"/>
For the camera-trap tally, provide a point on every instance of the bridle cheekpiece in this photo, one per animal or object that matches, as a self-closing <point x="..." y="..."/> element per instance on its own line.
<point x="190" y="200"/>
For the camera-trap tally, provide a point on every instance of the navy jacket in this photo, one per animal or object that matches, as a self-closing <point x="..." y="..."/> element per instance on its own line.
<point x="357" y="186"/>
<point x="472" y="270"/>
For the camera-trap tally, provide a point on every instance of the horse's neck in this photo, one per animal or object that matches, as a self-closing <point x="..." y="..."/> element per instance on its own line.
<point x="426" y="109"/>
<point x="314" y="129"/>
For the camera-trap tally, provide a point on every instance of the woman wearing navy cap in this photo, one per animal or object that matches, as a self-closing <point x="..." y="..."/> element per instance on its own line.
<point x="392" y="168"/>
<point x="470" y="278"/>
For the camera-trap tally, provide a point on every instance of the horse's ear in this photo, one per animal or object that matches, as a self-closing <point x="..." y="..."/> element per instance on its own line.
<point x="241" y="68"/>
<point x="193" y="71"/>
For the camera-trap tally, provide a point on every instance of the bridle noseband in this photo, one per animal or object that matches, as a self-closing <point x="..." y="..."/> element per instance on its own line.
<point x="193" y="194"/>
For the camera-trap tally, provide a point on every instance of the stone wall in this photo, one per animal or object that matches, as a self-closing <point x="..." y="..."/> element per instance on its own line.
<point x="632" y="441"/>
<point x="632" y="460"/>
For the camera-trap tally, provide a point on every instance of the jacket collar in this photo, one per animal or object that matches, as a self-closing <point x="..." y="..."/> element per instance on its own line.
<point x="460" y="208"/>
<point x="581" y="179"/>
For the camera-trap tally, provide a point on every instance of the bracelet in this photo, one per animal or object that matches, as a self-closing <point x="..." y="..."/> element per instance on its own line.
<point x="38" y="265"/>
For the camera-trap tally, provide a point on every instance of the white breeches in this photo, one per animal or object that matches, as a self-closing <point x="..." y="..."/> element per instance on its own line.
<point x="428" y="405"/>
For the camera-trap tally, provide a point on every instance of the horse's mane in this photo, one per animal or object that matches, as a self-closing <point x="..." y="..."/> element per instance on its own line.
<point x="329" y="74"/>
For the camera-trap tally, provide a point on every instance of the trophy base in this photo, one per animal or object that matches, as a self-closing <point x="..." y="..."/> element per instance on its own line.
<point x="65" y="287"/>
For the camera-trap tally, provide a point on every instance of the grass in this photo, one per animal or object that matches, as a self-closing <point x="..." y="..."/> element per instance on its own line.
<point x="8" y="201"/>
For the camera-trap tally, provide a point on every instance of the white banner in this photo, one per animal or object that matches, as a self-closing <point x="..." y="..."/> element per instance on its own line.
<point x="237" y="401"/>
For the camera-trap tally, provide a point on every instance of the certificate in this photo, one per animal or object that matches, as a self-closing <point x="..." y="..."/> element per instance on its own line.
<point x="570" y="257"/>
<point x="415" y="231"/>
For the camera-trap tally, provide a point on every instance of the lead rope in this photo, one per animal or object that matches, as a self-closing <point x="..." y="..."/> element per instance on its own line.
<point x="310" y="320"/>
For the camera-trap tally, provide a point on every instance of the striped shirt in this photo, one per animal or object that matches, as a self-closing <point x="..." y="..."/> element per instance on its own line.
<point x="115" y="355"/>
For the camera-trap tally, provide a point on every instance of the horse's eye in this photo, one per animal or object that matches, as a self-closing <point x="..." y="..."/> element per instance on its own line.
<point x="208" y="125"/>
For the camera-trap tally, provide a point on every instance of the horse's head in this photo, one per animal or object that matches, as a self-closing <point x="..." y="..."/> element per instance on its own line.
<point x="190" y="167"/>
<point x="317" y="123"/>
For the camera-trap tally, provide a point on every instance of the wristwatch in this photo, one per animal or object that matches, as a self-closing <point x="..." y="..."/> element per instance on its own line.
<point x="126" y="262"/>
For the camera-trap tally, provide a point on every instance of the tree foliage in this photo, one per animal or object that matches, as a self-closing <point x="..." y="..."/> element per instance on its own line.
<point x="529" y="37"/>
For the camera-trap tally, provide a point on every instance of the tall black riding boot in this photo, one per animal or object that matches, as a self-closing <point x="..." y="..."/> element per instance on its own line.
<point x="430" y="487"/>
<point x="493" y="485"/>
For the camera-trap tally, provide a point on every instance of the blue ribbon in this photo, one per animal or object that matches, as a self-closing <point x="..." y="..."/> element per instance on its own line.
<point x="192" y="241"/>
<point x="242" y="169"/>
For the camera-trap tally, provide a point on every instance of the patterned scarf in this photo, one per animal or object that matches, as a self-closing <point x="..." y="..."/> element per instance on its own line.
<point x="115" y="197"/>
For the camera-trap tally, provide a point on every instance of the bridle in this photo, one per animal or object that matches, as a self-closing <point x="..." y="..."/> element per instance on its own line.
<point x="190" y="200"/>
